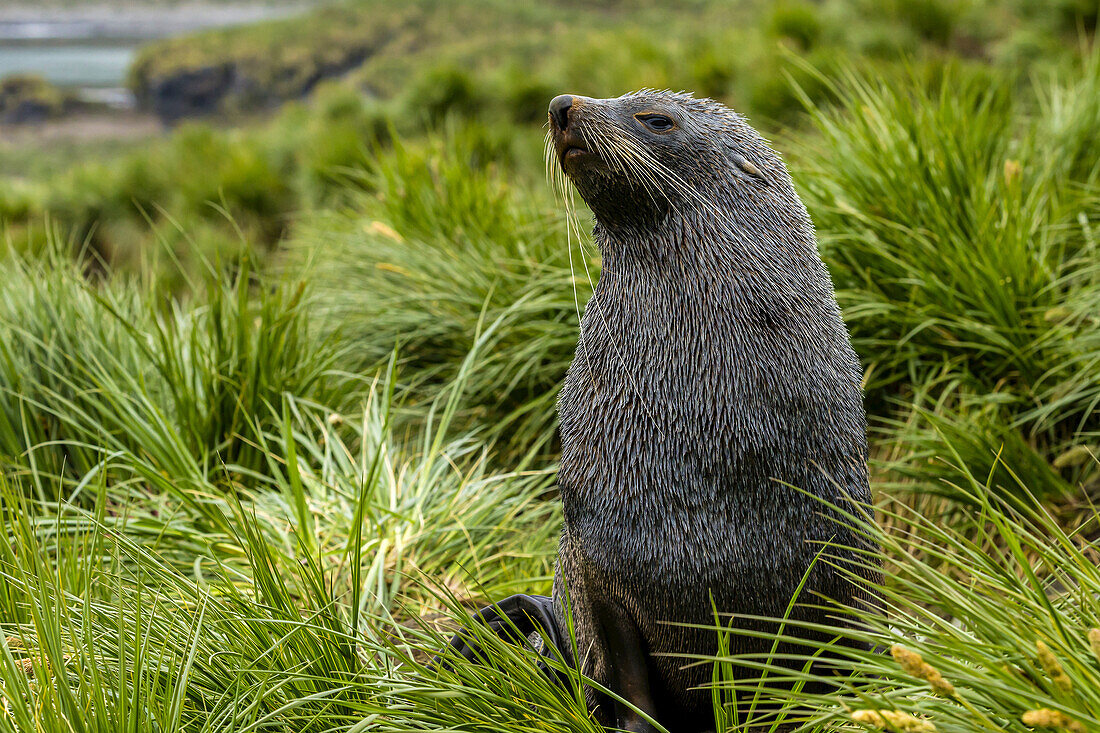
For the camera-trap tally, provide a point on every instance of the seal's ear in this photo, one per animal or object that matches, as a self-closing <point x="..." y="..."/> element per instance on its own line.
<point x="746" y="169"/>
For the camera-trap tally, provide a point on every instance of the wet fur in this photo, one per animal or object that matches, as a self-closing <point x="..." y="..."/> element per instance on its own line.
<point x="712" y="373"/>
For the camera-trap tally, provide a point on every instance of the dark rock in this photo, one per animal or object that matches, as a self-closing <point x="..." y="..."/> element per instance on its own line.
<point x="235" y="86"/>
<point x="26" y="99"/>
<point x="190" y="92"/>
<point x="25" y="112"/>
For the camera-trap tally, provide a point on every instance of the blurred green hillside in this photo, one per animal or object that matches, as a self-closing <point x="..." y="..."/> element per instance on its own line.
<point x="277" y="386"/>
<point x="409" y="66"/>
<point x="499" y="52"/>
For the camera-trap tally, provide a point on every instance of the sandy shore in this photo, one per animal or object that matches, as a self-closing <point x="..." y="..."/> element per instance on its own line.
<point x="83" y="128"/>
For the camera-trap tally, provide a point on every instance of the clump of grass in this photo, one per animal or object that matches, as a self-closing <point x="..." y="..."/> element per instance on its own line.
<point x="29" y="98"/>
<point x="267" y="606"/>
<point x="444" y="249"/>
<point x="445" y="91"/>
<point x="797" y="21"/>
<point x="990" y="621"/>
<point x="953" y="432"/>
<point x="195" y="176"/>
<point x="197" y="188"/>
<point x="99" y="630"/>
<point x="420" y="508"/>
<point x="957" y="223"/>
<point x="92" y="370"/>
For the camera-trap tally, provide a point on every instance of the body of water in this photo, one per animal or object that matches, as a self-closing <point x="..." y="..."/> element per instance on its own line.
<point x="70" y="64"/>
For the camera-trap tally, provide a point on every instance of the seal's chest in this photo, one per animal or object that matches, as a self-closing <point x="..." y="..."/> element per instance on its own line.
<point x="647" y="387"/>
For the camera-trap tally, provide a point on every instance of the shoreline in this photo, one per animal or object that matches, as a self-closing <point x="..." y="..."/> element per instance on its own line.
<point x="88" y="49"/>
<point x="83" y="127"/>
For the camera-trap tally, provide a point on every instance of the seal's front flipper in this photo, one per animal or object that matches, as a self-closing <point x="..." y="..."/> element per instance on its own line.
<point x="515" y="618"/>
<point x="525" y="614"/>
<point x="628" y="663"/>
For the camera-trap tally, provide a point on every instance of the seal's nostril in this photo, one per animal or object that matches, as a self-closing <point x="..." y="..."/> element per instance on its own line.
<point x="559" y="110"/>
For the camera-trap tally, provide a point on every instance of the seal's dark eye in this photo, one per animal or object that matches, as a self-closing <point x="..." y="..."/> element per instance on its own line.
<point x="655" y="122"/>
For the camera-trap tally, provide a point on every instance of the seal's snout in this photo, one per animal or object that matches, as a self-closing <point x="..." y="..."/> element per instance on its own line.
<point x="564" y="129"/>
<point x="559" y="110"/>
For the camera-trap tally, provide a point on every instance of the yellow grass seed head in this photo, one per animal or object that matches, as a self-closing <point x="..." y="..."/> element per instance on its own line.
<point x="1052" y="719"/>
<point x="1094" y="642"/>
<point x="907" y="659"/>
<point x="1053" y="667"/>
<point x="384" y="229"/>
<point x="914" y="665"/>
<point x="895" y="719"/>
<point x="869" y="717"/>
<point x="1078" y="455"/>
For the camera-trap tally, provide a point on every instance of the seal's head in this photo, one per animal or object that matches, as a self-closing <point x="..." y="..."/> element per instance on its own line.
<point x="638" y="158"/>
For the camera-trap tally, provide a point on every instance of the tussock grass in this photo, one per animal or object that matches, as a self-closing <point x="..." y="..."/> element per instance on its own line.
<point x="988" y="621"/>
<point x="958" y="222"/>
<point x="998" y="608"/>
<point x="230" y="504"/>
<point x="444" y="248"/>
<point x="137" y="610"/>
<point x="988" y="624"/>
<point x="92" y="372"/>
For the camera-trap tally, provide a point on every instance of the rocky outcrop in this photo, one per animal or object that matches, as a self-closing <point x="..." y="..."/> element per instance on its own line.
<point x="188" y="92"/>
<point x="27" y="99"/>
<point x="235" y="86"/>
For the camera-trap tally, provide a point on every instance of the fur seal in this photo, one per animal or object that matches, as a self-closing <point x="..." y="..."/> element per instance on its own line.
<point x="712" y="375"/>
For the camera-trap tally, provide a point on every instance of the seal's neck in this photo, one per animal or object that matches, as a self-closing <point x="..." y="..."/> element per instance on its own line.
<point x="714" y="260"/>
<point x="677" y="243"/>
<point x="715" y="232"/>
<point x="622" y="206"/>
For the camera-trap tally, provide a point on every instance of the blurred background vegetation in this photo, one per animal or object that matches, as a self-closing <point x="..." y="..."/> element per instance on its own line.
<point x="286" y="304"/>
